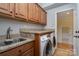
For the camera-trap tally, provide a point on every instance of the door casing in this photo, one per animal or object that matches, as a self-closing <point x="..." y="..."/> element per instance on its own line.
<point x="74" y="29"/>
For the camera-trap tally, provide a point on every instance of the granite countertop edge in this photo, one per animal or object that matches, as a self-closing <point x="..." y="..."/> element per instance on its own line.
<point x="36" y="32"/>
<point x="5" y="48"/>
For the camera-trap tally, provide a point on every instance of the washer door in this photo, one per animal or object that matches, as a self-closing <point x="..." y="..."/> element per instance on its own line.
<point x="48" y="49"/>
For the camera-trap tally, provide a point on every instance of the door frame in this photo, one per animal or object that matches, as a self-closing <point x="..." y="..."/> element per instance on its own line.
<point x="74" y="24"/>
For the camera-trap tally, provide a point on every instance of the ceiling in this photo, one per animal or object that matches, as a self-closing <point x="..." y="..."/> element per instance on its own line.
<point x="43" y="5"/>
<point x="48" y="6"/>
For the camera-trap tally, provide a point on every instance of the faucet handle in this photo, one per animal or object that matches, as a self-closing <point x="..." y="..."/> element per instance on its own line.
<point x="8" y="32"/>
<point x="10" y="29"/>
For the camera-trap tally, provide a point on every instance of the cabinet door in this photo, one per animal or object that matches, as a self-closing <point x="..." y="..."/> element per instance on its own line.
<point x="37" y="13"/>
<point x="12" y="52"/>
<point x="43" y="17"/>
<point x="27" y="10"/>
<point x="20" y="10"/>
<point x="6" y="8"/>
<point x="30" y="52"/>
<point x="32" y="12"/>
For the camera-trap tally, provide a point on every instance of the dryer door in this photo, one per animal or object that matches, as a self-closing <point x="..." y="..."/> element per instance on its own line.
<point x="54" y="41"/>
<point x="47" y="49"/>
<point x="43" y="42"/>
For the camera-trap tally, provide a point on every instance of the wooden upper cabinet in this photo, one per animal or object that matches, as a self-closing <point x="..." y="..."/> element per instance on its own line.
<point x="20" y="10"/>
<point x="25" y="11"/>
<point x="6" y="8"/>
<point x="43" y="17"/>
<point x="37" y="13"/>
<point x="32" y="12"/>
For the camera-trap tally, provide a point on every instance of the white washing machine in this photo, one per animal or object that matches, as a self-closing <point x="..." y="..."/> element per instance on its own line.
<point x="45" y="46"/>
<point x="43" y="42"/>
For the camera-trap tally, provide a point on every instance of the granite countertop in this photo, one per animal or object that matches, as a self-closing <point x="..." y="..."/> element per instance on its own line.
<point x="5" y="48"/>
<point x="37" y="31"/>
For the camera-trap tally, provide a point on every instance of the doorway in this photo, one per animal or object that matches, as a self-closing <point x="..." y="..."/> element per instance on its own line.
<point x="65" y="29"/>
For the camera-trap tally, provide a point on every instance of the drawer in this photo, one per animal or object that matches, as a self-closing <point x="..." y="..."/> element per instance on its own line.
<point x="30" y="52"/>
<point x="28" y="46"/>
<point x="12" y="52"/>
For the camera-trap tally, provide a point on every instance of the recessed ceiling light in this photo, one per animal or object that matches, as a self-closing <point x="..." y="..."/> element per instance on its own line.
<point x="68" y="13"/>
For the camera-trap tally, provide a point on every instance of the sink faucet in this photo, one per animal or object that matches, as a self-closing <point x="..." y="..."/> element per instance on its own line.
<point x="8" y="33"/>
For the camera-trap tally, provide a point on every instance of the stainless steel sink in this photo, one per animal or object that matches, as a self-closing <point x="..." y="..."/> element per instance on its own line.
<point x="11" y="41"/>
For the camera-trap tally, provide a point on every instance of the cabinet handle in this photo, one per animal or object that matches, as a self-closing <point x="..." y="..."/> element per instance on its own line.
<point x="19" y="50"/>
<point x="10" y="11"/>
<point x="16" y="13"/>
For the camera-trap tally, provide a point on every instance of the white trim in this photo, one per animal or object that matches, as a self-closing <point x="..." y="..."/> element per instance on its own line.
<point x="74" y="28"/>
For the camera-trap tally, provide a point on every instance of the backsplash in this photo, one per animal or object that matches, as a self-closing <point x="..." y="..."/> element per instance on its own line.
<point x="15" y="25"/>
<point x="25" y="35"/>
<point x="3" y="37"/>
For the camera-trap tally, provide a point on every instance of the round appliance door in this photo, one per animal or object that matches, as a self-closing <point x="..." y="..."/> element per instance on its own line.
<point x="47" y="48"/>
<point x="43" y="41"/>
<point x="54" y="41"/>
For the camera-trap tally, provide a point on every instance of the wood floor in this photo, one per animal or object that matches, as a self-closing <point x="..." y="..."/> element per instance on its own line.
<point x="64" y="50"/>
<point x="65" y="46"/>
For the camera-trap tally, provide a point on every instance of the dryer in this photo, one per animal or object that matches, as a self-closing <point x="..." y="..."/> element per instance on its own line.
<point x="52" y="38"/>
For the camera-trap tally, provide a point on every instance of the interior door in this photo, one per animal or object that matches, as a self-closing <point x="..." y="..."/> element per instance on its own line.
<point x="67" y="26"/>
<point x="65" y="29"/>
